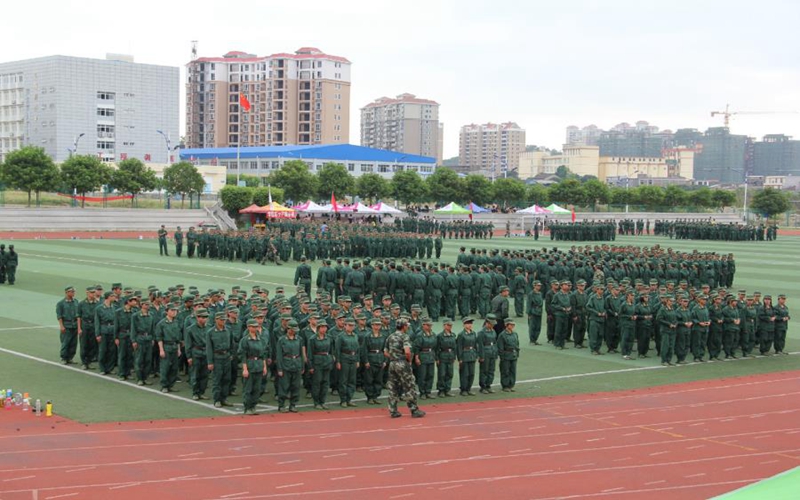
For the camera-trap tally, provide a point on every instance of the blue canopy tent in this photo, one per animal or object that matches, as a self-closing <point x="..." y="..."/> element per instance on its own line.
<point x="476" y="209"/>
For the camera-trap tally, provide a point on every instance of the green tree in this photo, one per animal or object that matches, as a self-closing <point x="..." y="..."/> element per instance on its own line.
<point x="30" y="169"/>
<point x="568" y="191"/>
<point x="562" y="172"/>
<point x="297" y="182"/>
<point x="595" y="192"/>
<point x="651" y="197"/>
<point x="477" y="189"/>
<point x="675" y="196"/>
<point x="84" y="174"/>
<point x="508" y="191"/>
<point x="261" y="195"/>
<point x="235" y="198"/>
<point x="701" y="198"/>
<point x="538" y="194"/>
<point x="334" y="177"/>
<point x="252" y="181"/>
<point x="445" y="185"/>
<point x="770" y="202"/>
<point x="133" y="177"/>
<point x="372" y="187"/>
<point x="722" y="198"/>
<point x="408" y="187"/>
<point x="183" y="178"/>
<point x="622" y="196"/>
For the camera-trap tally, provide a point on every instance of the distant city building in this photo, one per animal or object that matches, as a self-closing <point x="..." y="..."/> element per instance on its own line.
<point x="301" y="98"/>
<point x="110" y="107"/>
<point x="724" y="156"/>
<point x="263" y="160"/>
<point x="406" y="124"/>
<point x="624" y="139"/>
<point x="492" y="147"/>
<point x="776" y="155"/>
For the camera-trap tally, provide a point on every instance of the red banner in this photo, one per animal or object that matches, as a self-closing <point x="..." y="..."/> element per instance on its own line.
<point x="97" y="199"/>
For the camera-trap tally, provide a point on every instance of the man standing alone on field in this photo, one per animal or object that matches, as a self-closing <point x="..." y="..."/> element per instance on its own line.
<point x="178" y="241"/>
<point x="162" y="241"/>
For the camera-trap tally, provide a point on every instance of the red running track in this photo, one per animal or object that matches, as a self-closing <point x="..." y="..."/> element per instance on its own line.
<point x="687" y="441"/>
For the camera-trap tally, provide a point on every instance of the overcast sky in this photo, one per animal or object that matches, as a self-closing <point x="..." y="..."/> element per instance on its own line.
<point x="545" y="65"/>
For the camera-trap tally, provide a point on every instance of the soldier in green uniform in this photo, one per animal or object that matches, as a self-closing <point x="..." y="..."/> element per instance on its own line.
<point x="347" y="362"/>
<point x="596" y="316"/>
<point x="517" y="287"/>
<point x="535" y="305"/>
<point x="684" y="317"/>
<point x="12" y="262"/>
<point x="487" y="354"/>
<point x="374" y="361"/>
<point x="627" y="324"/>
<point x="767" y="315"/>
<point x="562" y="309"/>
<point x="253" y="351"/>
<point x="194" y="344"/>
<point x="302" y="275"/>
<point x="781" y="324"/>
<point x="730" y="327"/>
<point x="86" y="330"/>
<point x="289" y="364"/>
<point x="508" y="350"/>
<point x="162" y="241"/>
<point x="578" y="299"/>
<point x="748" y="316"/>
<point x="219" y="344"/>
<point x="668" y="320"/>
<point x="715" y="330"/>
<point x="319" y="351"/>
<point x="142" y="328"/>
<point x="105" y="324"/>
<point x="178" y="236"/>
<point x="467" y="355"/>
<point x="401" y="384"/>
<point x="122" y="338"/>
<point x="191" y="242"/>
<point x="67" y="312"/>
<point x="168" y="336"/>
<point x="701" y="322"/>
<point x="445" y="359"/>
<point x="423" y="348"/>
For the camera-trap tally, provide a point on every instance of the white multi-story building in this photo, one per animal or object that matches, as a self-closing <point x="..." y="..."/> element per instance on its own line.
<point x="407" y="124"/>
<point x="301" y="98"/>
<point x="491" y="147"/>
<point x="110" y="107"/>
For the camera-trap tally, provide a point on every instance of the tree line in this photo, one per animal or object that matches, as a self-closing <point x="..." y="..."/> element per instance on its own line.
<point x="298" y="184"/>
<point x="33" y="171"/>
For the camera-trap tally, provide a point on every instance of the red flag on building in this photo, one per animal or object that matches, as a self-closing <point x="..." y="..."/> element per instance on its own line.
<point x="243" y="102"/>
<point x="333" y="203"/>
<point x="573" y="214"/>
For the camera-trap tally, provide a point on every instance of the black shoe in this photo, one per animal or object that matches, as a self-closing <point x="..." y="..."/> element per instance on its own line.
<point x="395" y="414"/>
<point x="417" y="413"/>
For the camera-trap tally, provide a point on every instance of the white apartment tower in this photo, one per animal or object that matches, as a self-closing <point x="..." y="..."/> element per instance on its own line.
<point x="491" y="147"/>
<point x="301" y="98"/>
<point x="405" y="124"/>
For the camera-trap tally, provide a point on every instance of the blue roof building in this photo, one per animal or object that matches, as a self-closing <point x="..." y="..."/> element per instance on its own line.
<point x="262" y="161"/>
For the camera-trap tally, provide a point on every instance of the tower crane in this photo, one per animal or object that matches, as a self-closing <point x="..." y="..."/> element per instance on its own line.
<point x="727" y="114"/>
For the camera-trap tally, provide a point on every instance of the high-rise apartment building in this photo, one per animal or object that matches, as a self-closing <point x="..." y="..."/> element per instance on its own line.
<point x="491" y="147"/>
<point x="301" y="98"/>
<point x="109" y="107"/>
<point x="406" y="124"/>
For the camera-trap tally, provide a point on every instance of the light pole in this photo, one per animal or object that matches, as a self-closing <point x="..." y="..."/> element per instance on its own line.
<point x="169" y="143"/>
<point x="628" y="183"/>
<point x="74" y="149"/>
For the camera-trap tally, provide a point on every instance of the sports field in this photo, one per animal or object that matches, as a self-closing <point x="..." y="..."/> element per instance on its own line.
<point x="29" y="338"/>
<point x="697" y="430"/>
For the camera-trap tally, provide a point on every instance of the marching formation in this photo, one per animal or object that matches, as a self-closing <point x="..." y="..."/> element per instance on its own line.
<point x="709" y="230"/>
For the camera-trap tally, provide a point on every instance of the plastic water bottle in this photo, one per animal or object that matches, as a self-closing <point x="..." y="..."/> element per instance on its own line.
<point x="38" y="408"/>
<point x="26" y="402"/>
<point x="49" y="409"/>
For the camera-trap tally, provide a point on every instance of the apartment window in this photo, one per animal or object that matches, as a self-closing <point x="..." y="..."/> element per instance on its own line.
<point x="351" y="167"/>
<point x="105" y="145"/>
<point x="105" y="112"/>
<point x="105" y="96"/>
<point x="383" y="169"/>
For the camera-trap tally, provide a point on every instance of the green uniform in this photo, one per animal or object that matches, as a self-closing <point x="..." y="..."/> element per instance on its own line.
<point x="347" y="356"/>
<point x="374" y="364"/>
<point x="596" y="317"/>
<point x="219" y="346"/>
<point x="142" y="329"/>
<point x="467" y="354"/>
<point x="87" y="340"/>
<point x="445" y="358"/>
<point x="289" y="363"/>
<point x="730" y="330"/>
<point x="561" y="307"/>
<point x="125" y="345"/>
<point x="699" y="335"/>
<point x="253" y="352"/>
<point x="168" y="335"/>
<point x="424" y="350"/>
<point x="668" y="321"/>
<point x="67" y="311"/>
<point x="535" y="305"/>
<point x="508" y="350"/>
<point x="487" y="355"/>
<point x="320" y="361"/>
<point x="194" y="341"/>
<point x="105" y="325"/>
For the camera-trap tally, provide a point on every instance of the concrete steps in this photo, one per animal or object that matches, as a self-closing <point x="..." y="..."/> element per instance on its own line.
<point x="98" y="219"/>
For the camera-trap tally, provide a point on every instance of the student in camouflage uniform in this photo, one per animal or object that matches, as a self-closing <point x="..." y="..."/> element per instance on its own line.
<point x="195" y="346"/>
<point x="424" y="350"/>
<point x="508" y="350"/>
<point x="374" y="361"/>
<point x="319" y="351"/>
<point x="347" y="362"/>
<point x="535" y="305"/>
<point x="289" y="363"/>
<point x="168" y="336"/>
<point x="487" y="354"/>
<point x="219" y="344"/>
<point x="467" y="354"/>
<point x="162" y="241"/>
<point x="445" y="359"/>
<point x="86" y="330"/>
<point x="401" y="384"/>
<point x="253" y="351"/>
<point x="781" y="324"/>
<point x="142" y="328"/>
<point x="67" y="313"/>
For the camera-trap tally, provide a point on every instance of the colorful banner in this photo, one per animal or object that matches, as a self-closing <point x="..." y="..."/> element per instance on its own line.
<point x="97" y="199"/>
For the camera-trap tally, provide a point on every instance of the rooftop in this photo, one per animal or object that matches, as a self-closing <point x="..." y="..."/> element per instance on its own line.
<point x="331" y="152"/>
<point x="401" y="99"/>
<point x="301" y="53"/>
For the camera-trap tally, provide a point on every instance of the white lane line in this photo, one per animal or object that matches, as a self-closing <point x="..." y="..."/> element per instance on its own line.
<point x="631" y="434"/>
<point x="37" y="327"/>
<point x="390" y="470"/>
<point x="179" y="478"/>
<point x="696" y="447"/>
<point x="235" y="494"/>
<point x="290" y="441"/>
<point x="18" y="478"/>
<point x="126" y="485"/>
<point x="696" y="475"/>
<point x="770" y="462"/>
<point x="240" y="448"/>
<point x="658" y="453"/>
<point x="621" y="459"/>
<point x="461" y="437"/>
<point x="613" y="489"/>
<point x="499" y="432"/>
<point x="593" y="440"/>
<point x="655" y="482"/>
<point x="341" y="477"/>
<point x="191" y="454"/>
<point x="534" y="428"/>
<point x="114" y="380"/>
<point x="336" y="455"/>
<point x="237" y="469"/>
<point x="288" y="462"/>
<point x="763" y="437"/>
<point x="289" y="486"/>
<point x="559" y="444"/>
<point x="403" y="496"/>
<point x="520" y="451"/>
<point x="451" y="487"/>
<point x="61" y="496"/>
<point x="698" y="423"/>
<point x="79" y="470"/>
